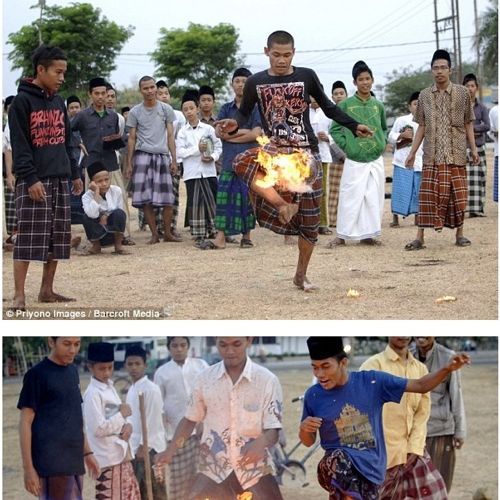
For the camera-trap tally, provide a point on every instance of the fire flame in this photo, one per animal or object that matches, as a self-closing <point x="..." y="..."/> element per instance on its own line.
<point x="286" y="171"/>
<point x="246" y="495"/>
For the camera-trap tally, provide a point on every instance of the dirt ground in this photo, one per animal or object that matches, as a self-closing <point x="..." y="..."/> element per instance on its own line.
<point x="477" y="462"/>
<point x="179" y="281"/>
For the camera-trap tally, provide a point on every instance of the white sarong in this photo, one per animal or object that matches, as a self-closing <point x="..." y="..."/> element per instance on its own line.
<point x="361" y="200"/>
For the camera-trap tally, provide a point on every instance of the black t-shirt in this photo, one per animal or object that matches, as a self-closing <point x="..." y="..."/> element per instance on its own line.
<point x="53" y="392"/>
<point x="283" y="103"/>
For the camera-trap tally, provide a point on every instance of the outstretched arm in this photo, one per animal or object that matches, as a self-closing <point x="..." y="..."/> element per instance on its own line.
<point x="432" y="380"/>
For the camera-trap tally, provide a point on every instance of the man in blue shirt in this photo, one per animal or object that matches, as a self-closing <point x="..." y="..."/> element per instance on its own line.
<point x="346" y="409"/>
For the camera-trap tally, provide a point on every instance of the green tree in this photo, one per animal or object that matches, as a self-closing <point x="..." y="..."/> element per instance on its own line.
<point x="90" y="41"/>
<point x="197" y="56"/>
<point x="488" y="42"/>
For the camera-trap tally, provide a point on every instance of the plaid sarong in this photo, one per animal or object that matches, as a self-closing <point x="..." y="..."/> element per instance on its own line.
<point x="335" y="174"/>
<point x="176" y="181"/>
<point x="10" y="209"/>
<point x="61" y="488"/>
<point x="420" y="480"/>
<point x="200" y="213"/>
<point x="323" y="219"/>
<point x="443" y="197"/>
<point x="405" y="189"/>
<point x="442" y="453"/>
<point x="234" y="212"/>
<point x="495" y="180"/>
<point x="183" y="469"/>
<point x="43" y="227"/>
<point x="305" y="223"/>
<point x="152" y="181"/>
<point x="158" y="217"/>
<point x="476" y="177"/>
<point x="117" y="483"/>
<point x="338" y="476"/>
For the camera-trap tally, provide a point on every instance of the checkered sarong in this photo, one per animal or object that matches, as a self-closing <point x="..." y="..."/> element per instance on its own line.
<point x="338" y="476"/>
<point x="335" y="174"/>
<point x="405" y="189"/>
<point x="200" y="213"/>
<point x="152" y="181"/>
<point x="476" y="178"/>
<point x="419" y="480"/>
<point x="443" y="196"/>
<point x="183" y="469"/>
<point x="43" y="227"/>
<point x="176" y="181"/>
<point x="495" y="180"/>
<point x="305" y="223"/>
<point x="10" y="209"/>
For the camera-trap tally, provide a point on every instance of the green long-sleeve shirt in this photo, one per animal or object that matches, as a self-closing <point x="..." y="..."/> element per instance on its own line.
<point x="369" y="112"/>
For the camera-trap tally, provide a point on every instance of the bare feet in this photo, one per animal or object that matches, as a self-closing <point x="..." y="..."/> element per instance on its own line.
<point x="170" y="237"/>
<point x="153" y="240"/>
<point x="286" y="212"/>
<point x="18" y="304"/>
<point x="371" y="242"/>
<point x="95" y="249"/>
<point x="304" y="284"/>
<point x="336" y="242"/>
<point x="120" y="251"/>
<point x="54" y="297"/>
<point x="76" y="241"/>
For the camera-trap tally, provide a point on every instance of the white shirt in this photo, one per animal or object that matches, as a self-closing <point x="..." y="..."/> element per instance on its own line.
<point x="187" y="146"/>
<point x="104" y="422"/>
<point x="153" y="410"/>
<point x="176" y="385"/>
<point x="400" y="155"/>
<point x="493" y="128"/>
<point x="179" y="121"/>
<point x="6" y="138"/>
<point x="95" y="209"/>
<point x="321" y="123"/>
<point x="232" y="415"/>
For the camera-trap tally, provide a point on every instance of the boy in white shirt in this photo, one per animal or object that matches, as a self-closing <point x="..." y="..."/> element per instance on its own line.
<point x="106" y="427"/>
<point x="104" y="218"/>
<point x="198" y="148"/>
<point x="135" y="364"/>
<point x="405" y="181"/>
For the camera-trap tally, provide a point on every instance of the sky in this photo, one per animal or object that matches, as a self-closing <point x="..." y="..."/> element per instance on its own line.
<point x="329" y="38"/>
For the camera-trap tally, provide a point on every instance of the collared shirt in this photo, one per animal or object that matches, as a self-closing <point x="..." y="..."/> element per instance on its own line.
<point x="153" y="409"/>
<point x="104" y="206"/>
<point x="401" y="154"/>
<point x="447" y="404"/>
<point x="481" y="122"/>
<point x="233" y="415"/>
<point x="321" y="123"/>
<point x="405" y="423"/>
<point x="444" y="115"/>
<point x="187" y="146"/>
<point x="176" y="385"/>
<point x="104" y="422"/>
<point x="209" y="121"/>
<point x="93" y="128"/>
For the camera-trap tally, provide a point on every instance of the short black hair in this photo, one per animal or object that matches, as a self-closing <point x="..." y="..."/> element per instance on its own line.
<point x="161" y="84"/>
<point x="8" y="102"/>
<point x="470" y="77"/>
<point x="145" y="78"/>
<point x="124" y="109"/>
<point x="136" y="350"/>
<point x="45" y="55"/>
<point x="280" y="37"/>
<point x="169" y="341"/>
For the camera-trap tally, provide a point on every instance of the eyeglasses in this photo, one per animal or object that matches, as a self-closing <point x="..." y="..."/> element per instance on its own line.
<point x="440" y="68"/>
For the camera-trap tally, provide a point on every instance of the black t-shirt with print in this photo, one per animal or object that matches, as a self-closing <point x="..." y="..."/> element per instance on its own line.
<point x="53" y="392"/>
<point x="283" y="103"/>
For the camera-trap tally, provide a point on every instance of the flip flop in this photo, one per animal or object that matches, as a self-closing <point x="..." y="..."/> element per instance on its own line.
<point x="231" y="240"/>
<point x="462" y="241"/>
<point x="246" y="243"/>
<point x="209" y="245"/>
<point x="414" y="245"/>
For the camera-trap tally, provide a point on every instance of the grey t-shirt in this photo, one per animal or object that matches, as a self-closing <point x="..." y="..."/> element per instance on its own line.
<point x="151" y="125"/>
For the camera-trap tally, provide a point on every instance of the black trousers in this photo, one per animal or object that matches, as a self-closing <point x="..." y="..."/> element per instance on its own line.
<point x="105" y="234"/>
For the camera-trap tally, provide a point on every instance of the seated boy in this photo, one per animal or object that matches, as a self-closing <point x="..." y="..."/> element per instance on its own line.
<point x="104" y="218"/>
<point x="135" y="363"/>
<point x="107" y="430"/>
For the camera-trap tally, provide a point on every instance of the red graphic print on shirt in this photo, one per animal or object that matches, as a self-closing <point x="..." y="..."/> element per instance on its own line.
<point x="47" y="127"/>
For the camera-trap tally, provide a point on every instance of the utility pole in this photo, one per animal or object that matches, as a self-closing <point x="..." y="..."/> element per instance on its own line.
<point x="41" y="4"/>
<point x="451" y="23"/>
<point x="478" y="51"/>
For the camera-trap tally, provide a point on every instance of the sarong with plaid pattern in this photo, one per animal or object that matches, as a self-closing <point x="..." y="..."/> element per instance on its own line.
<point x="234" y="213"/>
<point x="476" y="178"/>
<point x="117" y="483"/>
<point x="305" y="222"/>
<point x="183" y="469"/>
<point x="443" y="196"/>
<point x="335" y="174"/>
<point x="338" y="476"/>
<point x="44" y="227"/>
<point x="10" y="209"/>
<point x="495" y="180"/>
<point x="420" y="480"/>
<point x="200" y="213"/>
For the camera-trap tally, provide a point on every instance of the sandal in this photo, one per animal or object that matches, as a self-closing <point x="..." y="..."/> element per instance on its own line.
<point x="335" y="243"/>
<point x="372" y="242"/>
<point x="128" y="241"/>
<point x="209" y="245"/>
<point x="324" y="230"/>
<point x="246" y="243"/>
<point x="231" y="240"/>
<point x="414" y="245"/>
<point x="462" y="241"/>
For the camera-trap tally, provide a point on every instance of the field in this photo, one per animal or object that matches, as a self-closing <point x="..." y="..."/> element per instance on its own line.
<point x="477" y="462"/>
<point x="178" y="281"/>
